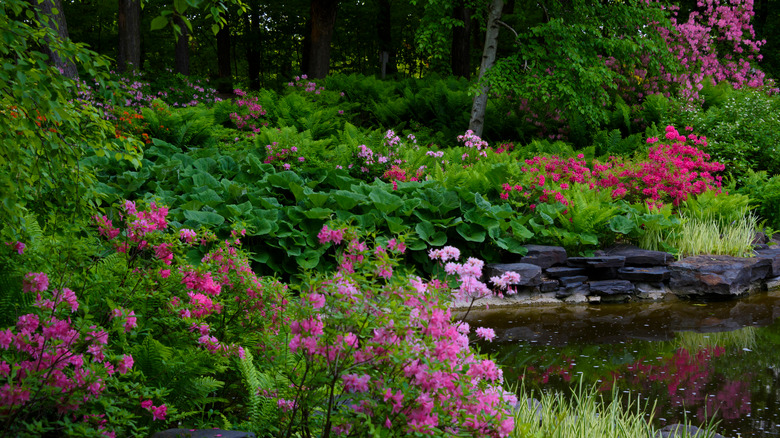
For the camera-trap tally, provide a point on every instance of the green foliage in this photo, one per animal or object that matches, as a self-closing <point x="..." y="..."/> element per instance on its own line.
<point x="582" y="35"/>
<point x="764" y="193"/>
<point x="44" y="131"/>
<point x="191" y="127"/>
<point x="743" y="132"/>
<point x="613" y="143"/>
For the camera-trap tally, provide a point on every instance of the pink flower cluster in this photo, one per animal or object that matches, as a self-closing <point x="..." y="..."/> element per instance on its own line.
<point x="57" y="365"/>
<point x="284" y="156"/>
<point x="428" y="389"/>
<point x="327" y="235"/>
<point x="673" y="170"/>
<point x="158" y="412"/>
<point x="254" y="111"/>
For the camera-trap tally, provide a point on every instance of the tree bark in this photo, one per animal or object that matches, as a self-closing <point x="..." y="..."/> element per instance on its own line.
<point x="129" y="26"/>
<point x="384" y="29"/>
<point x="477" y="122"/>
<point x="182" y="61"/>
<point x="323" y="21"/>
<point x="56" y="22"/>
<point x="460" y="55"/>
<point x="251" y="23"/>
<point x="223" y="59"/>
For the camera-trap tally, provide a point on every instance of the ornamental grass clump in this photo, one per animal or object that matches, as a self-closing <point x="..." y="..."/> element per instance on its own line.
<point x="710" y="235"/>
<point x="585" y="414"/>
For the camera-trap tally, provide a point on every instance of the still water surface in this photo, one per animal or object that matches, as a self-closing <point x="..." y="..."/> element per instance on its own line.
<point x="693" y="360"/>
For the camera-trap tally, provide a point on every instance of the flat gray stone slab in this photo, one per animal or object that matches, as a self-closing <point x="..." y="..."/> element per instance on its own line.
<point x="530" y="275"/>
<point x="564" y="271"/>
<point x="202" y="433"/>
<point x="597" y="262"/>
<point x="717" y="274"/>
<point x="650" y="274"/>
<point x="611" y="287"/>
<point x="641" y="257"/>
<point x="544" y="256"/>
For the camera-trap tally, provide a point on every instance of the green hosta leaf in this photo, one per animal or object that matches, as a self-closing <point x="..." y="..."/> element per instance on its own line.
<point x="520" y="231"/>
<point x="209" y="197"/>
<point x="298" y="191"/>
<point x="262" y="227"/>
<point x="309" y="259"/>
<point x="395" y="224"/>
<point x="428" y="233"/>
<point x="318" y="199"/>
<point x="589" y="239"/>
<point x="384" y="201"/>
<point x="283" y="179"/>
<point x="480" y="202"/>
<point x="317" y="213"/>
<point x="203" y="179"/>
<point x="239" y="210"/>
<point x="410" y="205"/>
<point x="621" y="224"/>
<point x="471" y="232"/>
<point x="425" y="230"/>
<point x="204" y="217"/>
<point x="347" y="200"/>
<point x="511" y="245"/>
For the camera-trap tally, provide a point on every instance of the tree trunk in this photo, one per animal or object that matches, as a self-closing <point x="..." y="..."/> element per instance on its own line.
<point x="477" y="122"/>
<point x="460" y="55"/>
<point x="252" y="24"/>
<point x="223" y="59"/>
<point x="323" y="21"/>
<point x="56" y="22"/>
<point x="384" y="29"/>
<point x="182" y="62"/>
<point x="129" y="26"/>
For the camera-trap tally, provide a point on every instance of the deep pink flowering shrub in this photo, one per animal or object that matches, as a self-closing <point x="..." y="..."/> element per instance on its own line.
<point x="674" y="169"/>
<point x="249" y="113"/>
<point x="717" y="40"/>
<point x="54" y="362"/>
<point x="375" y="349"/>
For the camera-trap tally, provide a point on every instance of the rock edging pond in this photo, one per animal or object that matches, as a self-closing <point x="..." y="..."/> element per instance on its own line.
<point x="627" y="273"/>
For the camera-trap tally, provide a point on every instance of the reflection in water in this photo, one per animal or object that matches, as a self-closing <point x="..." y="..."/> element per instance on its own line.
<point x="677" y="356"/>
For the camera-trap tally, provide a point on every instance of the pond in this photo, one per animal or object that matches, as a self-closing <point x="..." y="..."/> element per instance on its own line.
<point x="694" y="360"/>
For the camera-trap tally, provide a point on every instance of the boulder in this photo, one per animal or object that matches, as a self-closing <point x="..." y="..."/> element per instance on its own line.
<point x="771" y="253"/>
<point x="564" y="271"/>
<point x="572" y="281"/>
<point x="641" y="257"/>
<point x="611" y="287"/>
<point x="716" y="275"/>
<point x="530" y="275"/>
<point x="544" y="256"/>
<point x="548" y="285"/>
<point x="582" y="289"/>
<point x="202" y="433"/>
<point x="650" y="274"/>
<point x="597" y="262"/>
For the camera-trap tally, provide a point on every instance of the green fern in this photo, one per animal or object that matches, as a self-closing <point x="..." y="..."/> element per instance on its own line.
<point x="262" y="411"/>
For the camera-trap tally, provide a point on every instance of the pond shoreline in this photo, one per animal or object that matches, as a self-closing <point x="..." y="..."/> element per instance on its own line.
<point x="626" y="274"/>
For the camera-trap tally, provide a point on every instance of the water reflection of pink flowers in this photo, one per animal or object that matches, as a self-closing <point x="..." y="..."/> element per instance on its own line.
<point x="689" y="382"/>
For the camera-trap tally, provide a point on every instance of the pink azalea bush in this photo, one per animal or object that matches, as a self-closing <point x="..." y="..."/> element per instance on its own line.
<point x="376" y="349"/>
<point x="675" y="168"/>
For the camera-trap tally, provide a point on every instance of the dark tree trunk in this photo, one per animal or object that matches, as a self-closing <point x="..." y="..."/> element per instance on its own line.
<point x="479" y="105"/>
<point x="56" y="22"/>
<point x="129" y="26"/>
<point x="251" y="22"/>
<point x="323" y="21"/>
<point x="384" y="29"/>
<point x="223" y="59"/>
<point x="182" y="63"/>
<point x="306" y="49"/>
<point x="460" y="56"/>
